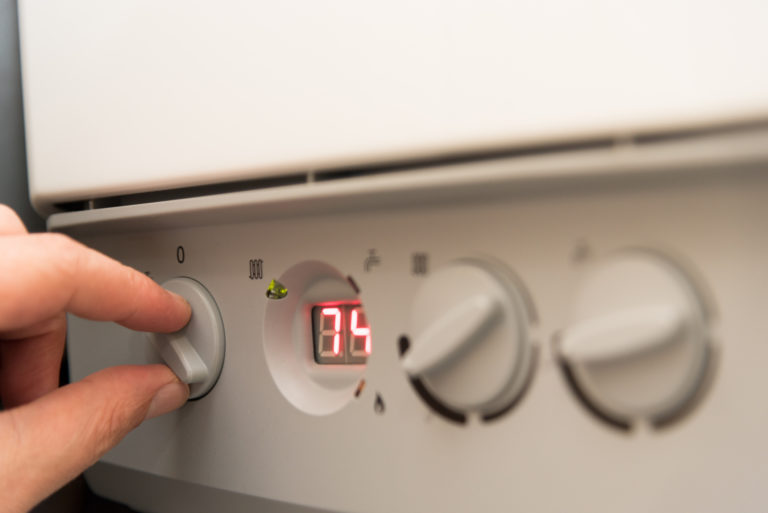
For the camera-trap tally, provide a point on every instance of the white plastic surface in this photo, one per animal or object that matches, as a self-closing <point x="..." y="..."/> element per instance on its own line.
<point x="182" y="357"/>
<point x="622" y="335"/>
<point x="451" y="333"/>
<point x="638" y="341"/>
<point x="127" y="97"/>
<point x="470" y="337"/>
<point x="287" y="340"/>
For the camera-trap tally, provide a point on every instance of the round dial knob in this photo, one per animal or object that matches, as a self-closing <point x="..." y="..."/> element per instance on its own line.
<point x="470" y="346"/>
<point x="196" y="352"/>
<point x="637" y="346"/>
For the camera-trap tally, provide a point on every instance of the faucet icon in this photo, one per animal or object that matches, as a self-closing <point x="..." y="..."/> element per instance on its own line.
<point x="371" y="260"/>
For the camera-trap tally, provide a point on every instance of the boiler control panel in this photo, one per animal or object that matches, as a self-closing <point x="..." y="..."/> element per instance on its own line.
<point x="452" y="340"/>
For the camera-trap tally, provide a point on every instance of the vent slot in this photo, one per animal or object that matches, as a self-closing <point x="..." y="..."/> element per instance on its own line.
<point x="640" y="140"/>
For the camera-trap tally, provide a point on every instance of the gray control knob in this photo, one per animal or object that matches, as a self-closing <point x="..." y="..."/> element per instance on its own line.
<point x="637" y="346"/>
<point x="470" y="345"/>
<point x="196" y="352"/>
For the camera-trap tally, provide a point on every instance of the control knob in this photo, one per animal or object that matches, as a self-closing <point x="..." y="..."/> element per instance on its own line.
<point x="470" y="345"/>
<point x="637" y="346"/>
<point x="196" y="352"/>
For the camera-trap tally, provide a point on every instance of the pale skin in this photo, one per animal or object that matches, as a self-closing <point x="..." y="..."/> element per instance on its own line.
<point x="49" y="435"/>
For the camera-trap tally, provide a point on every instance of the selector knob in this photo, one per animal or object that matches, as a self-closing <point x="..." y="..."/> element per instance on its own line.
<point x="470" y="345"/>
<point x="637" y="347"/>
<point x="196" y="352"/>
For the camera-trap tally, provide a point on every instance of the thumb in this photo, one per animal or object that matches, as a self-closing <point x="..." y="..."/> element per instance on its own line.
<point x="48" y="442"/>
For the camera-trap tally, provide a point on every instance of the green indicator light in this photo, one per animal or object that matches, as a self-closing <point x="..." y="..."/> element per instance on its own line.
<point x="276" y="290"/>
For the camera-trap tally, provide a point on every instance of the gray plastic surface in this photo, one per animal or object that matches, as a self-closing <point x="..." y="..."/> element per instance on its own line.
<point x="165" y="495"/>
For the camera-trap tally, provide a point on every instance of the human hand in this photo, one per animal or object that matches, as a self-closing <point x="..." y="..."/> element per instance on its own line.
<point x="49" y="435"/>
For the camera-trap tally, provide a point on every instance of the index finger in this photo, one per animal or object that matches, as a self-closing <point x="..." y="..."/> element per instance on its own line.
<point x="10" y="222"/>
<point x="42" y="275"/>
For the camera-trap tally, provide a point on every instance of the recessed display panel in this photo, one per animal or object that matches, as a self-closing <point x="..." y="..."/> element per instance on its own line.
<point x="340" y="334"/>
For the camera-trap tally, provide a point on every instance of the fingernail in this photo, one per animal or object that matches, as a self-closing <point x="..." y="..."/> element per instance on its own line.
<point x="168" y="398"/>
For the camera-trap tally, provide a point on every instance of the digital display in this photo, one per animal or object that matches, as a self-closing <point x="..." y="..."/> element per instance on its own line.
<point x="340" y="334"/>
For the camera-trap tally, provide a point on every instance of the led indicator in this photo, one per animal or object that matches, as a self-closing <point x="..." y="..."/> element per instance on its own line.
<point x="276" y="290"/>
<point x="340" y="334"/>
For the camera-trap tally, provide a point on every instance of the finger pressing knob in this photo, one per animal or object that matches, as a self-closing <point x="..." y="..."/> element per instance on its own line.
<point x="196" y="352"/>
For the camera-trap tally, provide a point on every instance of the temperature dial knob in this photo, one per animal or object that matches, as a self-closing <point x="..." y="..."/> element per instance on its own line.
<point x="637" y="347"/>
<point x="196" y="352"/>
<point x="470" y="346"/>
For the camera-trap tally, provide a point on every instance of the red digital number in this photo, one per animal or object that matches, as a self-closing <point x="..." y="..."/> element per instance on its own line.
<point x="359" y="331"/>
<point x="341" y="334"/>
<point x="335" y="332"/>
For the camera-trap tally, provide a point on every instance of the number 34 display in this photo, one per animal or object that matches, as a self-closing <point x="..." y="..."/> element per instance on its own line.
<point x="341" y="334"/>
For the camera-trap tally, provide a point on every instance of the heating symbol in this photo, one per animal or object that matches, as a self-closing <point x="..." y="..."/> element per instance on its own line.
<point x="419" y="263"/>
<point x="256" y="268"/>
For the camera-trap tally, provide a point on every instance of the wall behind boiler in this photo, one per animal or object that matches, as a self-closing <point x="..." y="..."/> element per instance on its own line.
<point x="13" y="163"/>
